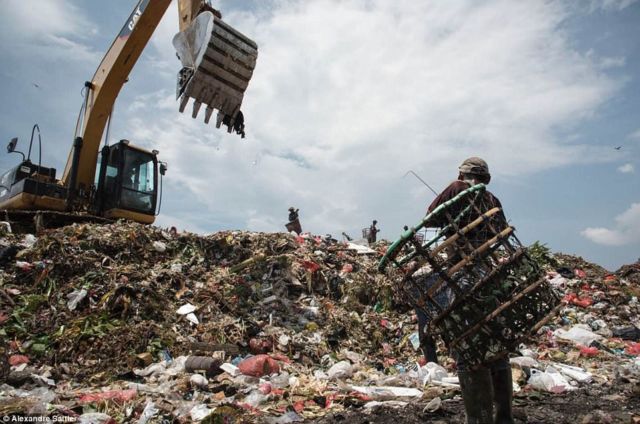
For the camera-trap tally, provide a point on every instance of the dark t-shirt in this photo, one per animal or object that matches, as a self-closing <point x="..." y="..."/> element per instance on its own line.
<point x="489" y="202"/>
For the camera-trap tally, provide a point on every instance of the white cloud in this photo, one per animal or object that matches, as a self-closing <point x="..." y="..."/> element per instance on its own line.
<point x="348" y="95"/>
<point x="612" y="62"/>
<point x="51" y="17"/>
<point x="627" y="168"/>
<point x="626" y="229"/>
<point x="46" y="57"/>
<point x="614" y="5"/>
<point x="634" y="135"/>
<point x="56" y="31"/>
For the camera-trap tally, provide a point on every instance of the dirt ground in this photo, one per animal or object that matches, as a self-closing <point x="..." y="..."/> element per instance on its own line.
<point x="589" y="405"/>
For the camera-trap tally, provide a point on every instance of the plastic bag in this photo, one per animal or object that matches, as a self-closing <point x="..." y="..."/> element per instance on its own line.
<point x="550" y="380"/>
<point x="575" y="373"/>
<point x="200" y="412"/>
<point x="432" y="372"/>
<point x="159" y="246"/>
<point x="95" y="418"/>
<point x="149" y="412"/>
<point x="15" y="360"/>
<point x="258" y="366"/>
<point x="578" y="335"/>
<point x="524" y="361"/>
<point x="280" y="381"/>
<point x="386" y="392"/>
<point x="75" y="297"/>
<point x="199" y="381"/>
<point x="342" y="369"/>
<point x="255" y="398"/>
<point x="632" y="348"/>
<point x="627" y="333"/>
<point x="288" y="417"/>
<point x="589" y="351"/>
<point x="115" y="395"/>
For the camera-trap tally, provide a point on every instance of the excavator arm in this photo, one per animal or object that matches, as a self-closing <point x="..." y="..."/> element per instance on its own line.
<point x="105" y="86"/>
<point x="217" y="60"/>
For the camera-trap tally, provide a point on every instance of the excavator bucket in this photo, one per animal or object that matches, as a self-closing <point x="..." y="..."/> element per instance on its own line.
<point x="218" y="63"/>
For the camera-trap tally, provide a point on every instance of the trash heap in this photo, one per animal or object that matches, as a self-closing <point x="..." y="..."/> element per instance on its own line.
<point x="89" y="306"/>
<point x="131" y="323"/>
<point x="595" y="337"/>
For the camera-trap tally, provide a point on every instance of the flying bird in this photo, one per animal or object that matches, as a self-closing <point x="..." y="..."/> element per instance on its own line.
<point x="618" y="148"/>
<point x="35" y="85"/>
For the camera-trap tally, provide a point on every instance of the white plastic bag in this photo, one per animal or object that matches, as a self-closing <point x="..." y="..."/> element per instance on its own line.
<point x="255" y="398"/>
<point x="578" y="335"/>
<point x="524" y="361"/>
<point x="342" y="369"/>
<point x="159" y="246"/>
<point x="75" y="297"/>
<point x="575" y="373"/>
<point x="387" y="392"/>
<point x="432" y="372"/>
<point x="200" y="412"/>
<point x="149" y="412"/>
<point x="550" y="380"/>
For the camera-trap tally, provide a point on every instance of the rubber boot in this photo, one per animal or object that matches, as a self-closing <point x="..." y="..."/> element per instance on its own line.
<point x="477" y="394"/>
<point x="503" y="395"/>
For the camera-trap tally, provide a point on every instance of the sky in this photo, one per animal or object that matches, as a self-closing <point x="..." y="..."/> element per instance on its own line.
<point x="348" y="96"/>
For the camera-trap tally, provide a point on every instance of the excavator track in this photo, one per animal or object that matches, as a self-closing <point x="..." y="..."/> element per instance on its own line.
<point x="34" y="222"/>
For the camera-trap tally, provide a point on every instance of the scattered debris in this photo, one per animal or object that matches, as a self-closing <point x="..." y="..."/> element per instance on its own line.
<point x="94" y="325"/>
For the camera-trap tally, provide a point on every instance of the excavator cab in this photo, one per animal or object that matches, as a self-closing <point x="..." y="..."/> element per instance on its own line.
<point x="126" y="185"/>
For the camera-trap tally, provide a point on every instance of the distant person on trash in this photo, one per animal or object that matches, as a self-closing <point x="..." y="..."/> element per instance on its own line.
<point x="373" y="231"/>
<point x="490" y="385"/>
<point x="294" y="221"/>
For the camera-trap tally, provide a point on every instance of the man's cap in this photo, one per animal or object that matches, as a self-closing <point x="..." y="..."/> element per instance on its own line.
<point x="474" y="165"/>
<point x="291" y="208"/>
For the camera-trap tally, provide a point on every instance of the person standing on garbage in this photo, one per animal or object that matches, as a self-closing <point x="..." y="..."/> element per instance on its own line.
<point x="373" y="232"/>
<point x="294" y="221"/>
<point x="490" y="385"/>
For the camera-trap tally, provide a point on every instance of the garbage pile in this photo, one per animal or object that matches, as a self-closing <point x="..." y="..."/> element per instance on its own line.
<point x="598" y="330"/>
<point x="87" y="305"/>
<point x="129" y="323"/>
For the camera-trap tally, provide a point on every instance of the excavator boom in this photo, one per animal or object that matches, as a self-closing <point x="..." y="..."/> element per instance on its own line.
<point x="105" y="86"/>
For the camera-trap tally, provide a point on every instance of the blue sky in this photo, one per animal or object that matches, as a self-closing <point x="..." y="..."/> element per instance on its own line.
<point x="348" y="96"/>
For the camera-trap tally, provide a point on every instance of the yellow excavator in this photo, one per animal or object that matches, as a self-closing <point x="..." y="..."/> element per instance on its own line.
<point x="217" y="65"/>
